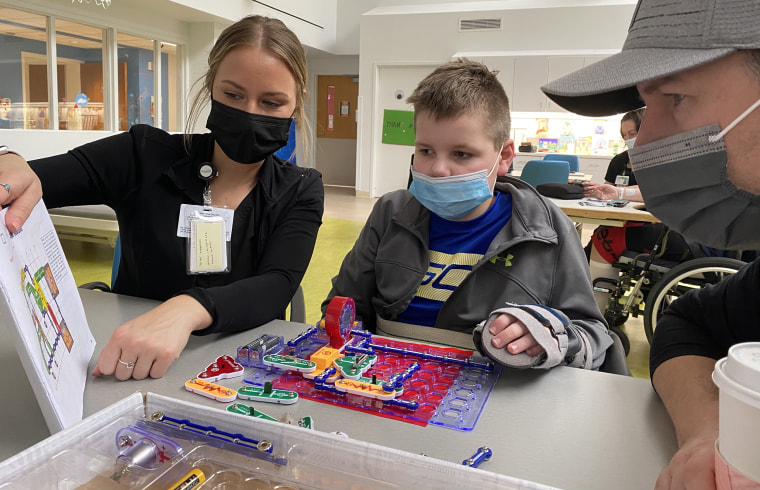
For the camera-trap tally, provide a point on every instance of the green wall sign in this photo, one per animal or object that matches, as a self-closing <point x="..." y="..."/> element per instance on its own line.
<point x="398" y="127"/>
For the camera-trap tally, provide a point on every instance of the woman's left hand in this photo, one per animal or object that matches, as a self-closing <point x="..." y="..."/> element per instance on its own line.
<point x="147" y="345"/>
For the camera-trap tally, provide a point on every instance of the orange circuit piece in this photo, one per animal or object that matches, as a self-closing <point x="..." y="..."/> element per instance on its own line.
<point x="324" y="358"/>
<point x="211" y="390"/>
<point x="362" y="388"/>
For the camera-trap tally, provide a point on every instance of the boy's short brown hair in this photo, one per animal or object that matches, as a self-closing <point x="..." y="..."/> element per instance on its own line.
<point x="465" y="87"/>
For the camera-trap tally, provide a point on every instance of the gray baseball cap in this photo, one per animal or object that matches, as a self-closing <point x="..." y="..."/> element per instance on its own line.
<point x="665" y="37"/>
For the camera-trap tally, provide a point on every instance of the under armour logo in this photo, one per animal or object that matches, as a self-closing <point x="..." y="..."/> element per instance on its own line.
<point x="507" y="260"/>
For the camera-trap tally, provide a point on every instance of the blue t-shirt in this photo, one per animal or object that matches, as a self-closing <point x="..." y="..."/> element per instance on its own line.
<point x="455" y="247"/>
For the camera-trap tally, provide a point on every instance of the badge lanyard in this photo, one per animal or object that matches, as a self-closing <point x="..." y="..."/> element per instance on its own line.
<point x="206" y="172"/>
<point x="208" y="230"/>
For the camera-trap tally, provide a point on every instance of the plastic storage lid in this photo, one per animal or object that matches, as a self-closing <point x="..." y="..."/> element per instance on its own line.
<point x="740" y="371"/>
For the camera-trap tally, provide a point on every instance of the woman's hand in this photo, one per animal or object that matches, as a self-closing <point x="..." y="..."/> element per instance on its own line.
<point x="147" y="345"/>
<point x="21" y="187"/>
<point x="600" y="191"/>
<point x="511" y="333"/>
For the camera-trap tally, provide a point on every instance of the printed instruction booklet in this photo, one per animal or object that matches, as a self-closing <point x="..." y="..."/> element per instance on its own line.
<point x="45" y="317"/>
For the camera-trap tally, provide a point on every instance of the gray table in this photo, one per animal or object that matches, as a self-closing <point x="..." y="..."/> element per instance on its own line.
<point x="567" y="428"/>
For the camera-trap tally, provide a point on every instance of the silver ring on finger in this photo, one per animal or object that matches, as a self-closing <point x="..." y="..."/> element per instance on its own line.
<point x="7" y="187"/>
<point x="130" y="365"/>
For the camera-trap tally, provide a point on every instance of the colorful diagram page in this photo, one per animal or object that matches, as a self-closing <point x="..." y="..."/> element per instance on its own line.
<point x="46" y="317"/>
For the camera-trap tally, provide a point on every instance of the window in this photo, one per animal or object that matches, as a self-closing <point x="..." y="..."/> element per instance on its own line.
<point x="171" y="119"/>
<point x="135" y="85"/>
<point x="80" y="99"/>
<point x="23" y="78"/>
<point x="79" y="59"/>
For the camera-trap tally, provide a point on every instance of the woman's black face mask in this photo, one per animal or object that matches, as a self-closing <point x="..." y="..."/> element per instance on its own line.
<point x="246" y="137"/>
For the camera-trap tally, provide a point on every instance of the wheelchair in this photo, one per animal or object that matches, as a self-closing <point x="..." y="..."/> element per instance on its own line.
<point x="648" y="284"/>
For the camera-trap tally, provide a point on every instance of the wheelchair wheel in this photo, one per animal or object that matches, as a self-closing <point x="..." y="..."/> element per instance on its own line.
<point x="693" y="274"/>
<point x="623" y="339"/>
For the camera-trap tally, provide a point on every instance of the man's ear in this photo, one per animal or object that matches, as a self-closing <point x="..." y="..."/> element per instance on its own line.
<point x="507" y="155"/>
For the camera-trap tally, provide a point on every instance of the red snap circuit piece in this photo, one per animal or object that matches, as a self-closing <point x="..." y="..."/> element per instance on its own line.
<point x="339" y="319"/>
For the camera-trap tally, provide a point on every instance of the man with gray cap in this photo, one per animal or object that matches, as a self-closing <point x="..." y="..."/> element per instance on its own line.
<point x="695" y="64"/>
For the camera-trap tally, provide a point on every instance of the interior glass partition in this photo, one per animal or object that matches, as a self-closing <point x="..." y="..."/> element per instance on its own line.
<point x="79" y="59"/>
<point x="170" y="72"/>
<point x="81" y="74"/>
<point x="24" y="100"/>
<point x="135" y="83"/>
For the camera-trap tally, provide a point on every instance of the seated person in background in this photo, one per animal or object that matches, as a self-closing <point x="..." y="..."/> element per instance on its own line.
<point x="459" y="248"/>
<point x="608" y="242"/>
<point x="256" y="82"/>
<point x="620" y="164"/>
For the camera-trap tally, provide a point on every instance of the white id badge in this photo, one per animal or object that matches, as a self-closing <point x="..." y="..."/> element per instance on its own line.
<point x="207" y="238"/>
<point x="621" y="180"/>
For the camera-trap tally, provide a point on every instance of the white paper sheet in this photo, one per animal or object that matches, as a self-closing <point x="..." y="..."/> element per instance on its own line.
<point x="47" y="319"/>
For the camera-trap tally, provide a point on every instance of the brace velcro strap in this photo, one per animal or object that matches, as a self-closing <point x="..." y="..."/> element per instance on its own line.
<point x="546" y="327"/>
<point x="549" y="318"/>
<point x="580" y="359"/>
<point x="570" y="331"/>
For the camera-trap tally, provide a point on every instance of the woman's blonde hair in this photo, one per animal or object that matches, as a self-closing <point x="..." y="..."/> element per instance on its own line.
<point x="262" y="32"/>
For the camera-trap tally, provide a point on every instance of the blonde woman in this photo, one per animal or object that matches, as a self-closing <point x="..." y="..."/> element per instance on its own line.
<point x="227" y="180"/>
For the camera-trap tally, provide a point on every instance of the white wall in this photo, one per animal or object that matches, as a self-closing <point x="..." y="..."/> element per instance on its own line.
<point x="201" y="40"/>
<point x="392" y="161"/>
<point x="38" y="144"/>
<point x="400" y="41"/>
<point x="313" y="21"/>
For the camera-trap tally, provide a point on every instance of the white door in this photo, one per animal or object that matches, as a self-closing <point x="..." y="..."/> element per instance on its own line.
<point x="390" y="162"/>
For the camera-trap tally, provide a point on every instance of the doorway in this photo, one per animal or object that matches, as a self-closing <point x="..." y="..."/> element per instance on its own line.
<point x="337" y="97"/>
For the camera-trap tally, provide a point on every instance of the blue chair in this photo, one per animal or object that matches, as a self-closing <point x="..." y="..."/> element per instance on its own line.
<point x="116" y="260"/>
<point x="537" y="172"/>
<point x="575" y="165"/>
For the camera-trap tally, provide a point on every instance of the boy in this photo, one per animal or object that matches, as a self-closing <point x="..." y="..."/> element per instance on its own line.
<point x="458" y="248"/>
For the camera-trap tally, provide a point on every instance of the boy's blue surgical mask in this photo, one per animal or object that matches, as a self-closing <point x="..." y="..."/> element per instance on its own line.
<point x="454" y="196"/>
<point x="684" y="182"/>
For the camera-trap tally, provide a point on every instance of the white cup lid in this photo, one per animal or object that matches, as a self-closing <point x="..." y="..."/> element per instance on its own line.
<point x="743" y="365"/>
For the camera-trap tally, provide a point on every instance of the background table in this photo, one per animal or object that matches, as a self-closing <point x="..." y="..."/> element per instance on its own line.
<point x="604" y="215"/>
<point x="572" y="177"/>
<point x="567" y="427"/>
<point x="95" y="223"/>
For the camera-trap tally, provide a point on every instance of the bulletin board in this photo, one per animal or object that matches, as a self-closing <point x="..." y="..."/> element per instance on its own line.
<point x="337" y="97"/>
<point x="398" y="127"/>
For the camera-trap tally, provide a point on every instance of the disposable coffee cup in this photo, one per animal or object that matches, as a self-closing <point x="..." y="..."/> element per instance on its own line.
<point x="738" y="379"/>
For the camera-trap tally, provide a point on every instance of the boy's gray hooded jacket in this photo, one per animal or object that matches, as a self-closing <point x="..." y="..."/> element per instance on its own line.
<point x="536" y="259"/>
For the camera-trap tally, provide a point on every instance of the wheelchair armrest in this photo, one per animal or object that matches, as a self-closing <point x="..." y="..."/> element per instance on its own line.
<point x="604" y="280"/>
<point x="639" y="260"/>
